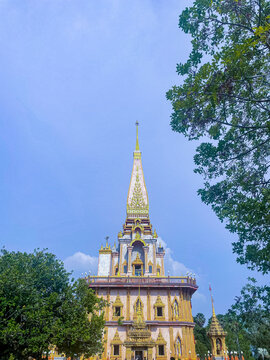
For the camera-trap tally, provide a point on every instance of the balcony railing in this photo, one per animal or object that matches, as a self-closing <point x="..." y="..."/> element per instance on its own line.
<point x="141" y="280"/>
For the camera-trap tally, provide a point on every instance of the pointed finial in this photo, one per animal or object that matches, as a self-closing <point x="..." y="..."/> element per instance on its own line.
<point x="212" y="300"/>
<point x="137" y="137"/>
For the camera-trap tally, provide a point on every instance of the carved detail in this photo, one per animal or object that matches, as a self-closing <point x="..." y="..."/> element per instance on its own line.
<point x="137" y="204"/>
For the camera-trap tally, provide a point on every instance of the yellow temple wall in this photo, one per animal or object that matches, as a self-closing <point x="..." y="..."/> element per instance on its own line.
<point x="149" y="298"/>
<point x="168" y="329"/>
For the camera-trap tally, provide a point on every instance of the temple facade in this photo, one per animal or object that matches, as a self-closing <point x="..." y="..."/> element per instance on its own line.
<point x="150" y="314"/>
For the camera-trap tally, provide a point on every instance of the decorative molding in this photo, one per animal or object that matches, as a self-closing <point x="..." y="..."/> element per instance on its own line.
<point x="138" y="238"/>
<point x="157" y="304"/>
<point x="116" y="341"/>
<point x="128" y="305"/>
<point x="135" y="306"/>
<point x="158" y="270"/>
<point x="117" y="303"/>
<point x="160" y="341"/>
<point x="137" y="205"/>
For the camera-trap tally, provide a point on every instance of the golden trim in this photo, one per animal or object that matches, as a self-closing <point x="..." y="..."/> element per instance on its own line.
<point x="137" y="261"/>
<point x="161" y="341"/>
<point x="137" y="238"/>
<point x="169" y="306"/>
<point x="185" y="345"/>
<point x="128" y="305"/>
<point x="148" y="305"/>
<point x="142" y="209"/>
<point x="117" y="303"/>
<point x="155" y="259"/>
<point x="135" y="310"/>
<point x="158" y="270"/>
<point x="120" y="270"/>
<point x="171" y="341"/>
<point x="105" y="251"/>
<point x="157" y="304"/>
<point x="116" y="341"/>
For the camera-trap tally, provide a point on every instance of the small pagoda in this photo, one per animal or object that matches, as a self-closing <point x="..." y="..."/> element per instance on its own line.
<point x="217" y="336"/>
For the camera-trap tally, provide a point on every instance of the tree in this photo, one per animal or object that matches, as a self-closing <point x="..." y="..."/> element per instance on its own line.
<point x="36" y="305"/>
<point x="202" y="341"/>
<point x="252" y="309"/>
<point x="82" y="333"/>
<point x="225" y="96"/>
<point x="199" y="319"/>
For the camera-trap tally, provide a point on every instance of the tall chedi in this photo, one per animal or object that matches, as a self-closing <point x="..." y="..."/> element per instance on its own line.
<point x="217" y="336"/>
<point x="154" y="309"/>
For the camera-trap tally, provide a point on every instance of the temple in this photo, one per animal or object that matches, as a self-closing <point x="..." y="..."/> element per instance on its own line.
<point x="150" y="315"/>
<point x="217" y="337"/>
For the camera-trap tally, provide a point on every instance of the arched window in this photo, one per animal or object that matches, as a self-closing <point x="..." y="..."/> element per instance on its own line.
<point x="150" y="269"/>
<point x="178" y="347"/>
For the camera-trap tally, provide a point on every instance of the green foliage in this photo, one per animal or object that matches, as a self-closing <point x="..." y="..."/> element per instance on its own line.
<point x="80" y="327"/>
<point x="38" y="302"/>
<point x="225" y="96"/>
<point x="252" y="309"/>
<point x="199" y="319"/>
<point x="202" y="341"/>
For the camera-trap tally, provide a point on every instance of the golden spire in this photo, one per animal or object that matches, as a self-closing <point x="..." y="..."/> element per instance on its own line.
<point x="215" y="327"/>
<point x="137" y="201"/>
<point x="137" y="137"/>
<point x="213" y="309"/>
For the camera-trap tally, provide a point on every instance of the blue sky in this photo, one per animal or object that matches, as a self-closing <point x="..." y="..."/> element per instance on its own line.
<point x="75" y="76"/>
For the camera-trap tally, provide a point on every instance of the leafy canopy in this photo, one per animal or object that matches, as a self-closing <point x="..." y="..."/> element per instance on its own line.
<point x="252" y="309"/>
<point x="225" y="96"/>
<point x="202" y="344"/>
<point x="39" y="305"/>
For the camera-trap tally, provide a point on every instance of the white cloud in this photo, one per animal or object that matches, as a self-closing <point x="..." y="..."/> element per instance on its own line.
<point x="80" y="263"/>
<point x="198" y="296"/>
<point x="174" y="267"/>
